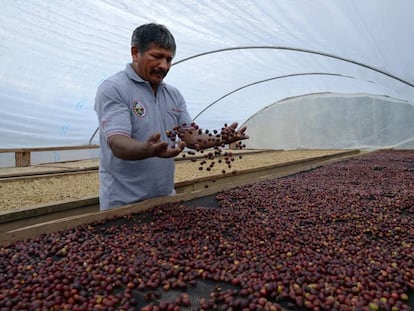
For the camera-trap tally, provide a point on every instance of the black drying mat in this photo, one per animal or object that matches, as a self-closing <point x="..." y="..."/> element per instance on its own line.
<point x="201" y="289"/>
<point x="209" y="201"/>
<point x="132" y="219"/>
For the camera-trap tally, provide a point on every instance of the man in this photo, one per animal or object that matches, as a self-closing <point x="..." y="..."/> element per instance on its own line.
<point x="136" y="111"/>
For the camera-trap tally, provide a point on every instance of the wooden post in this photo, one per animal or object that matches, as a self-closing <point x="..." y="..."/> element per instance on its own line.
<point x="22" y="158"/>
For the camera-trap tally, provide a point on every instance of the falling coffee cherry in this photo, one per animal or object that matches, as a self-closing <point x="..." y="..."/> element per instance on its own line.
<point x="212" y="160"/>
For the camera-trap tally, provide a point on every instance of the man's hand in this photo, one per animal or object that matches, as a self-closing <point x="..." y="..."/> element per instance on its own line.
<point x="127" y="148"/>
<point x="229" y="134"/>
<point x="163" y="149"/>
<point x="196" y="139"/>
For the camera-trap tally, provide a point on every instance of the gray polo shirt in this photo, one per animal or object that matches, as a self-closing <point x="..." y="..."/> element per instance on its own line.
<point x="125" y="104"/>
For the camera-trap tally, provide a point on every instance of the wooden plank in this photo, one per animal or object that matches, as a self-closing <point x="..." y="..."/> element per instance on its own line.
<point x="41" y="149"/>
<point x="43" y="209"/>
<point x="77" y="220"/>
<point x="23" y="155"/>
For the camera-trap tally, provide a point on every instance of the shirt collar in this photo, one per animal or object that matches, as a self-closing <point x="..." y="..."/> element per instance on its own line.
<point x="132" y="74"/>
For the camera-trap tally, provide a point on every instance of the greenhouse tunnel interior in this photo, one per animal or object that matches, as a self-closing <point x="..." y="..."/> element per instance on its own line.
<point x="299" y="74"/>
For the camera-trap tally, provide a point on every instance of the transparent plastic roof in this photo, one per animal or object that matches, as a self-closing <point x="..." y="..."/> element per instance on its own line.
<point x="234" y="58"/>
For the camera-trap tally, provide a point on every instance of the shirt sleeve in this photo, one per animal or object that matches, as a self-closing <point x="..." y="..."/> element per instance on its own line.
<point x="112" y="110"/>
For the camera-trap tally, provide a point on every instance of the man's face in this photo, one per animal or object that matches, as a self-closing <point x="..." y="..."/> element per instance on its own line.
<point x="153" y="65"/>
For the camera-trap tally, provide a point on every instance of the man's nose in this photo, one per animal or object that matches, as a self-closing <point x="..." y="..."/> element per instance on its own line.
<point x="164" y="64"/>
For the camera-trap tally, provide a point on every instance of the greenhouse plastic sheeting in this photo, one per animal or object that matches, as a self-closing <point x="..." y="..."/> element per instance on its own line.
<point x="333" y="121"/>
<point x="234" y="59"/>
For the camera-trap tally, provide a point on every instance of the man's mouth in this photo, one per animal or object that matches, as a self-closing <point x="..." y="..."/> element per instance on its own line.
<point x="160" y="73"/>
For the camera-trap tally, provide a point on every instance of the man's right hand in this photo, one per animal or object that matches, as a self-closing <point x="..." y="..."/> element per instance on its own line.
<point x="127" y="148"/>
<point x="163" y="149"/>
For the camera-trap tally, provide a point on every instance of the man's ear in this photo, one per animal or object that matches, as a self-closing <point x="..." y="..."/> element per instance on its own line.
<point x="134" y="52"/>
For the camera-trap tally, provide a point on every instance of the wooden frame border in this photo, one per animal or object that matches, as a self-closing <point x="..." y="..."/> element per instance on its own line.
<point x="23" y="155"/>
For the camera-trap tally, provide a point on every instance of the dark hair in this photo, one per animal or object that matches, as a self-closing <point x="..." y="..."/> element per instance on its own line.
<point x="146" y="34"/>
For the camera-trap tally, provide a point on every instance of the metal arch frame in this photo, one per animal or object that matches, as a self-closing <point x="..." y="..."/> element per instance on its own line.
<point x="288" y="49"/>
<point x="270" y="79"/>
<point x="275" y="47"/>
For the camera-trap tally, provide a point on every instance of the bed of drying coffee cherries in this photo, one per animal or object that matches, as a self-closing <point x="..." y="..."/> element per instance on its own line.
<point x="339" y="237"/>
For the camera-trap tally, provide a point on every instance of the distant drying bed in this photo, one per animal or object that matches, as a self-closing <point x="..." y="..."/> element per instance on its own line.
<point x="16" y="194"/>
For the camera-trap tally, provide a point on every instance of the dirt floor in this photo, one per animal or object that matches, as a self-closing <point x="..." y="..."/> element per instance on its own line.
<point x="23" y="193"/>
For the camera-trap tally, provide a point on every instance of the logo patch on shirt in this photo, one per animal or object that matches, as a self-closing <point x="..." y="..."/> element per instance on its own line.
<point x="139" y="109"/>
